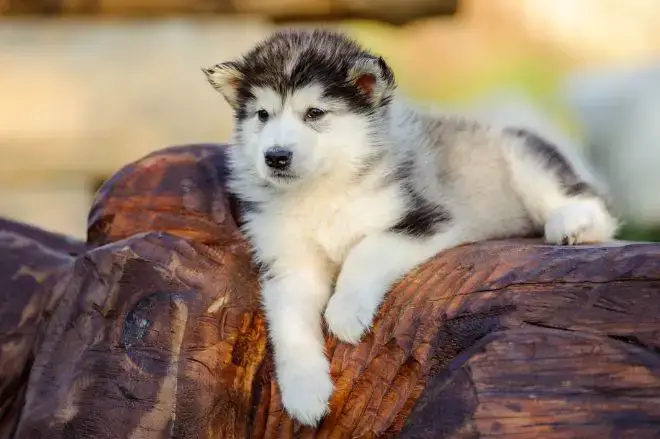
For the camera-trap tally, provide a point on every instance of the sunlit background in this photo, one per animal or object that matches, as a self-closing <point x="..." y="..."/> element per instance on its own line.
<point x="87" y="86"/>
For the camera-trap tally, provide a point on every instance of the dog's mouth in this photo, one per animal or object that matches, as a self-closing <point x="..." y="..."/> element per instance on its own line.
<point x="282" y="177"/>
<point x="283" y="174"/>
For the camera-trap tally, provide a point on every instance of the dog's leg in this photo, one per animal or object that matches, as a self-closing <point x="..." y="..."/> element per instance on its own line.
<point x="558" y="192"/>
<point x="371" y="269"/>
<point x="294" y="294"/>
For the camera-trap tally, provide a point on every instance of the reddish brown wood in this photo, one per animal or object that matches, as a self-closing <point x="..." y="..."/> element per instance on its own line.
<point x="155" y="332"/>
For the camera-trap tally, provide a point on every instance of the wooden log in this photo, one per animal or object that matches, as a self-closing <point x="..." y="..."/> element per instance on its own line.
<point x="159" y="333"/>
<point x="34" y="265"/>
<point x="393" y="11"/>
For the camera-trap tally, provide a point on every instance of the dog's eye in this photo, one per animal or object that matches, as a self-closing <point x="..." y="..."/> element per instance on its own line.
<point x="314" y="114"/>
<point x="262" y="115"/>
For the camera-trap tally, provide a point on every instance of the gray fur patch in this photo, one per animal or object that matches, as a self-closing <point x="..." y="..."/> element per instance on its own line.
<point x="554" y="160"/>
<point x="422" y="217"/>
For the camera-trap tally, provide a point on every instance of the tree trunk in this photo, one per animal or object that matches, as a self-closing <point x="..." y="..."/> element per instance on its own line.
<point x="154" y="331"/>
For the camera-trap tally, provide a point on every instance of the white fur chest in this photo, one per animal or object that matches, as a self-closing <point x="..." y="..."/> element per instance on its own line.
<point x="331" y="220"/>
<point x="343" y="220"/>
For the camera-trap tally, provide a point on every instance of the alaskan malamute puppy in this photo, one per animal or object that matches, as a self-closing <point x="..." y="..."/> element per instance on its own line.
<point x="346" y="188"/>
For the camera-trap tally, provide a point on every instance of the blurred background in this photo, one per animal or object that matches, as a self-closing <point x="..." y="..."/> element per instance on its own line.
<point x="87" y="86"/>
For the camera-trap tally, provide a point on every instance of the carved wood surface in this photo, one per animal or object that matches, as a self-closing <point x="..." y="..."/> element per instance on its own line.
<point x="155" y="331"/>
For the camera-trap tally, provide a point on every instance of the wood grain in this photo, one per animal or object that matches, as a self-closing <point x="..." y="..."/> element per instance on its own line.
<point x="158" y="333"/>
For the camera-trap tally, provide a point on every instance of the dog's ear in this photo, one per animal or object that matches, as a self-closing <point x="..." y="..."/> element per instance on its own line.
<point x="373" y="77"/>
<point x="225" y="78"/>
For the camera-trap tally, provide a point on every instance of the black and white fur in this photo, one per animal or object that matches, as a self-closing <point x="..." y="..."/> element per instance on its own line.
<point x="362" y="188"/>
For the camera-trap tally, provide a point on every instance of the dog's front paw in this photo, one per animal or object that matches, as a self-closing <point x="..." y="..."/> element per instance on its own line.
<point x="306" y="388"/>
<point x="349" y="314"/>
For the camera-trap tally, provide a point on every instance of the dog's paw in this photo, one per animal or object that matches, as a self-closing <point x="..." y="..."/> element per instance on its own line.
<point x="579" y="223"/>
<point x="306" y="387"/>
<point x="349" y="314"/>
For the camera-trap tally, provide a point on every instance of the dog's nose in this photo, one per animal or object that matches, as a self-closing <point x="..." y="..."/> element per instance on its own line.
<point x="278" y="158"/>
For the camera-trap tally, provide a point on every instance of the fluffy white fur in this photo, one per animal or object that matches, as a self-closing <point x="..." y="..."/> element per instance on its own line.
<point x="325" y="236"/>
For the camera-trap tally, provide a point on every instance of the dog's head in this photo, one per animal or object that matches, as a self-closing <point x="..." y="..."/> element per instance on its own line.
<point x="306" y="104"/>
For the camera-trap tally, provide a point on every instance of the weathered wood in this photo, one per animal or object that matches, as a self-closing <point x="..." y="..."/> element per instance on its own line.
<point x="33" y="265"/>
<point x="158" y="333"/>
<point x="387" y="10"/>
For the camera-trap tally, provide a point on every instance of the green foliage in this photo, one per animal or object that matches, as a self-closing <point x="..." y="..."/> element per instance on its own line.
<point x="631" y="232"/>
